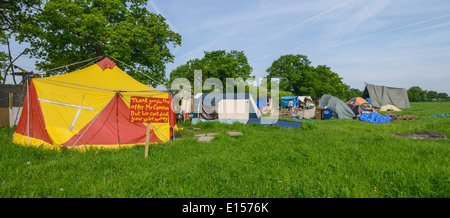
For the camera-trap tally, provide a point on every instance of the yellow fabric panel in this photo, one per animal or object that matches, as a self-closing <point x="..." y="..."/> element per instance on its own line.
<point x="112" y="79"/>
<point x="23" y="140"/>
<point x="33" y="142"/>
<point x="59" y="117"/>
<point x="162" y="132"/>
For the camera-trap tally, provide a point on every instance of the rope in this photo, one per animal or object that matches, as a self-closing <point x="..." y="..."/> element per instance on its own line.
<point x="92" y="87"/>
<point x="137" y="71"/>
<point x="98" y="57"/>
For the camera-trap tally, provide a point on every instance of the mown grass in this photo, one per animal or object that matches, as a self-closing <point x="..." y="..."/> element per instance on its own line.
<point x="324" y="159"/>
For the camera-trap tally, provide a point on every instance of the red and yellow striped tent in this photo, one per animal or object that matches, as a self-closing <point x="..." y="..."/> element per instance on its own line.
<point x="87" y="108"/>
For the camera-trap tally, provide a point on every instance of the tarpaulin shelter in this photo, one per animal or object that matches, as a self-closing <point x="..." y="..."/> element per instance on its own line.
<point x="88" y="108"/>
<point x="339" y="108"/>
<point x="383" y="95"/>
<point x="224" y="107"/>
<point x="286" y="99"/>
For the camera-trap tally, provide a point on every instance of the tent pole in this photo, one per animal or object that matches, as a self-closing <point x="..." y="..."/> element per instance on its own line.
<point x="28" y="112"/>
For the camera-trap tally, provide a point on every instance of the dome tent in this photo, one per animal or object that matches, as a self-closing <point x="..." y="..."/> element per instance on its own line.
<point x="339" y="108"/>
<point x="359" y="106"/>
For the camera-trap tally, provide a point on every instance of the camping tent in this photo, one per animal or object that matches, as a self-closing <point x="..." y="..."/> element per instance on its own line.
<point x="306" y="101"/>
<point x="383" y="95"/>
<point x="224" y="107"/>
<point x="359" y="106"/>
<point x="389" y="107"/>
<point x="88" y="108"/>
<point x="339" y="108"/>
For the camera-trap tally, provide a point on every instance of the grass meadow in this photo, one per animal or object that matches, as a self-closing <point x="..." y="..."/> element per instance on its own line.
<point x="323" y="159"/>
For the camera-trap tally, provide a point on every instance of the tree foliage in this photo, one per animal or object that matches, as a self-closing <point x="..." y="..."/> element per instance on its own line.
<point x="13" y="13"/>
<point x="215" y="64"/>
<point x="416" y="93"/>
<point x="67" y="32"/>
<point x="298" y="76"/>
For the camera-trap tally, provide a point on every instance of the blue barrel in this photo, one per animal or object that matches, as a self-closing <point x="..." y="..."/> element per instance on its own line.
<point x="326" y="113"/>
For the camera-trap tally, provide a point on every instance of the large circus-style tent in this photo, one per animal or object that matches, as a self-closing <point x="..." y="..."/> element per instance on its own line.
<point x="88" y="108"/>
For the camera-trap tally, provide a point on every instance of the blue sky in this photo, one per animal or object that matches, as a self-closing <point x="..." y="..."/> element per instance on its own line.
<point x="398" y="43"/>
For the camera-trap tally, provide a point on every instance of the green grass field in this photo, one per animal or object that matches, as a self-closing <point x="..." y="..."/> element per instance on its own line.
<point x="324" y="159"/>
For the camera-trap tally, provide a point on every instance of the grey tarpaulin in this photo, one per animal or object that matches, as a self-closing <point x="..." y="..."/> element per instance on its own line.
<point x="339" y="108"/>
<point x="383" y="95"/>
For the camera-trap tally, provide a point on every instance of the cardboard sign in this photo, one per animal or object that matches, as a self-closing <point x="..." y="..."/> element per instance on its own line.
<point x="149" y="110"/>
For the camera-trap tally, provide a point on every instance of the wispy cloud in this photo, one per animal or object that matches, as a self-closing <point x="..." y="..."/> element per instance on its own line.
<point x="391" y="30"/>
<point x="303" y="23"/>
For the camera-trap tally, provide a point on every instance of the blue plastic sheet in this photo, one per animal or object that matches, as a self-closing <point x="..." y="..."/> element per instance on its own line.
<point x="274" y="122"/>
<point x="374" y="118"/>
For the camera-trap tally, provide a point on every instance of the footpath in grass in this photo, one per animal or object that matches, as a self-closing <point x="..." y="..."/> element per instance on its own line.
<point x="323" y="159"/>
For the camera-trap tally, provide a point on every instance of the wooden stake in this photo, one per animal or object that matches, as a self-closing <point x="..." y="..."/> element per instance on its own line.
<point x="11" y="120"/>
<point x="147" y="138"/>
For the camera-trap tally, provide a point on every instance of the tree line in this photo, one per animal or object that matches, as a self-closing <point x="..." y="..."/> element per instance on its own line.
<point x="416" y="94"/>
<point x="295" y="73"/>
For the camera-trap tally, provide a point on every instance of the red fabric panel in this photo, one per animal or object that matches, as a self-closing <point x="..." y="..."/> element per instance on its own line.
<point x="37" y="122"/>
<point x="112" y="127"/>
<point x="172" y="116"/>
<point x="106" y="63"/>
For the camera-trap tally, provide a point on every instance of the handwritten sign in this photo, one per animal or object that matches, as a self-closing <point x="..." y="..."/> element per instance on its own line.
<point x="149" y="110"/>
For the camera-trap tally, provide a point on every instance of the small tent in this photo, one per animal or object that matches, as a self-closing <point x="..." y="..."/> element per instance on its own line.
<point x="389" y="107"/>
<point x="305" y="101"/>
<point x="88" y="108"/>
<point x="224" y="107"/>
<point x="339" y="109"/>
<point x="359" y="106"/>
<point x="383" y="95"/>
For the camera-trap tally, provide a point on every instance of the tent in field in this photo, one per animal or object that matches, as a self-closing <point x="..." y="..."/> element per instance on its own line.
<point x="359" y="106"/>
<point x="88" y="108"/>
<point x="339" y="109"/>
<point x="305" y="101"/>
<point x="389" y="107"/>
<point x="383" y="95"/>
<point x="224" y="107"/>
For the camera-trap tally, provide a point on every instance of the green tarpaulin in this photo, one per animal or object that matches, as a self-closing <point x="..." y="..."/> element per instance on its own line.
<point x="383" y="95"/>
<point x="339" y="108"/>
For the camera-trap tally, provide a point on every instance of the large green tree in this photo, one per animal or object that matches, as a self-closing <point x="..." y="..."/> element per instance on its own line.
<point x="416" y="93"/>
<point x="298" y="76"/>
<point x="13" y="14"/>
<point x="215" y="64"/>
<point x="70" y="31"/>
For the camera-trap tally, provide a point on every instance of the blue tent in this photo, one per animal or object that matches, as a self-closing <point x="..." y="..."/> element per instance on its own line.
<point x="274" y="122"/>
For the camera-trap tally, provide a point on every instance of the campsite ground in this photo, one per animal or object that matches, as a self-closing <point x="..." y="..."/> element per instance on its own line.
<point x="330" y="159"/>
